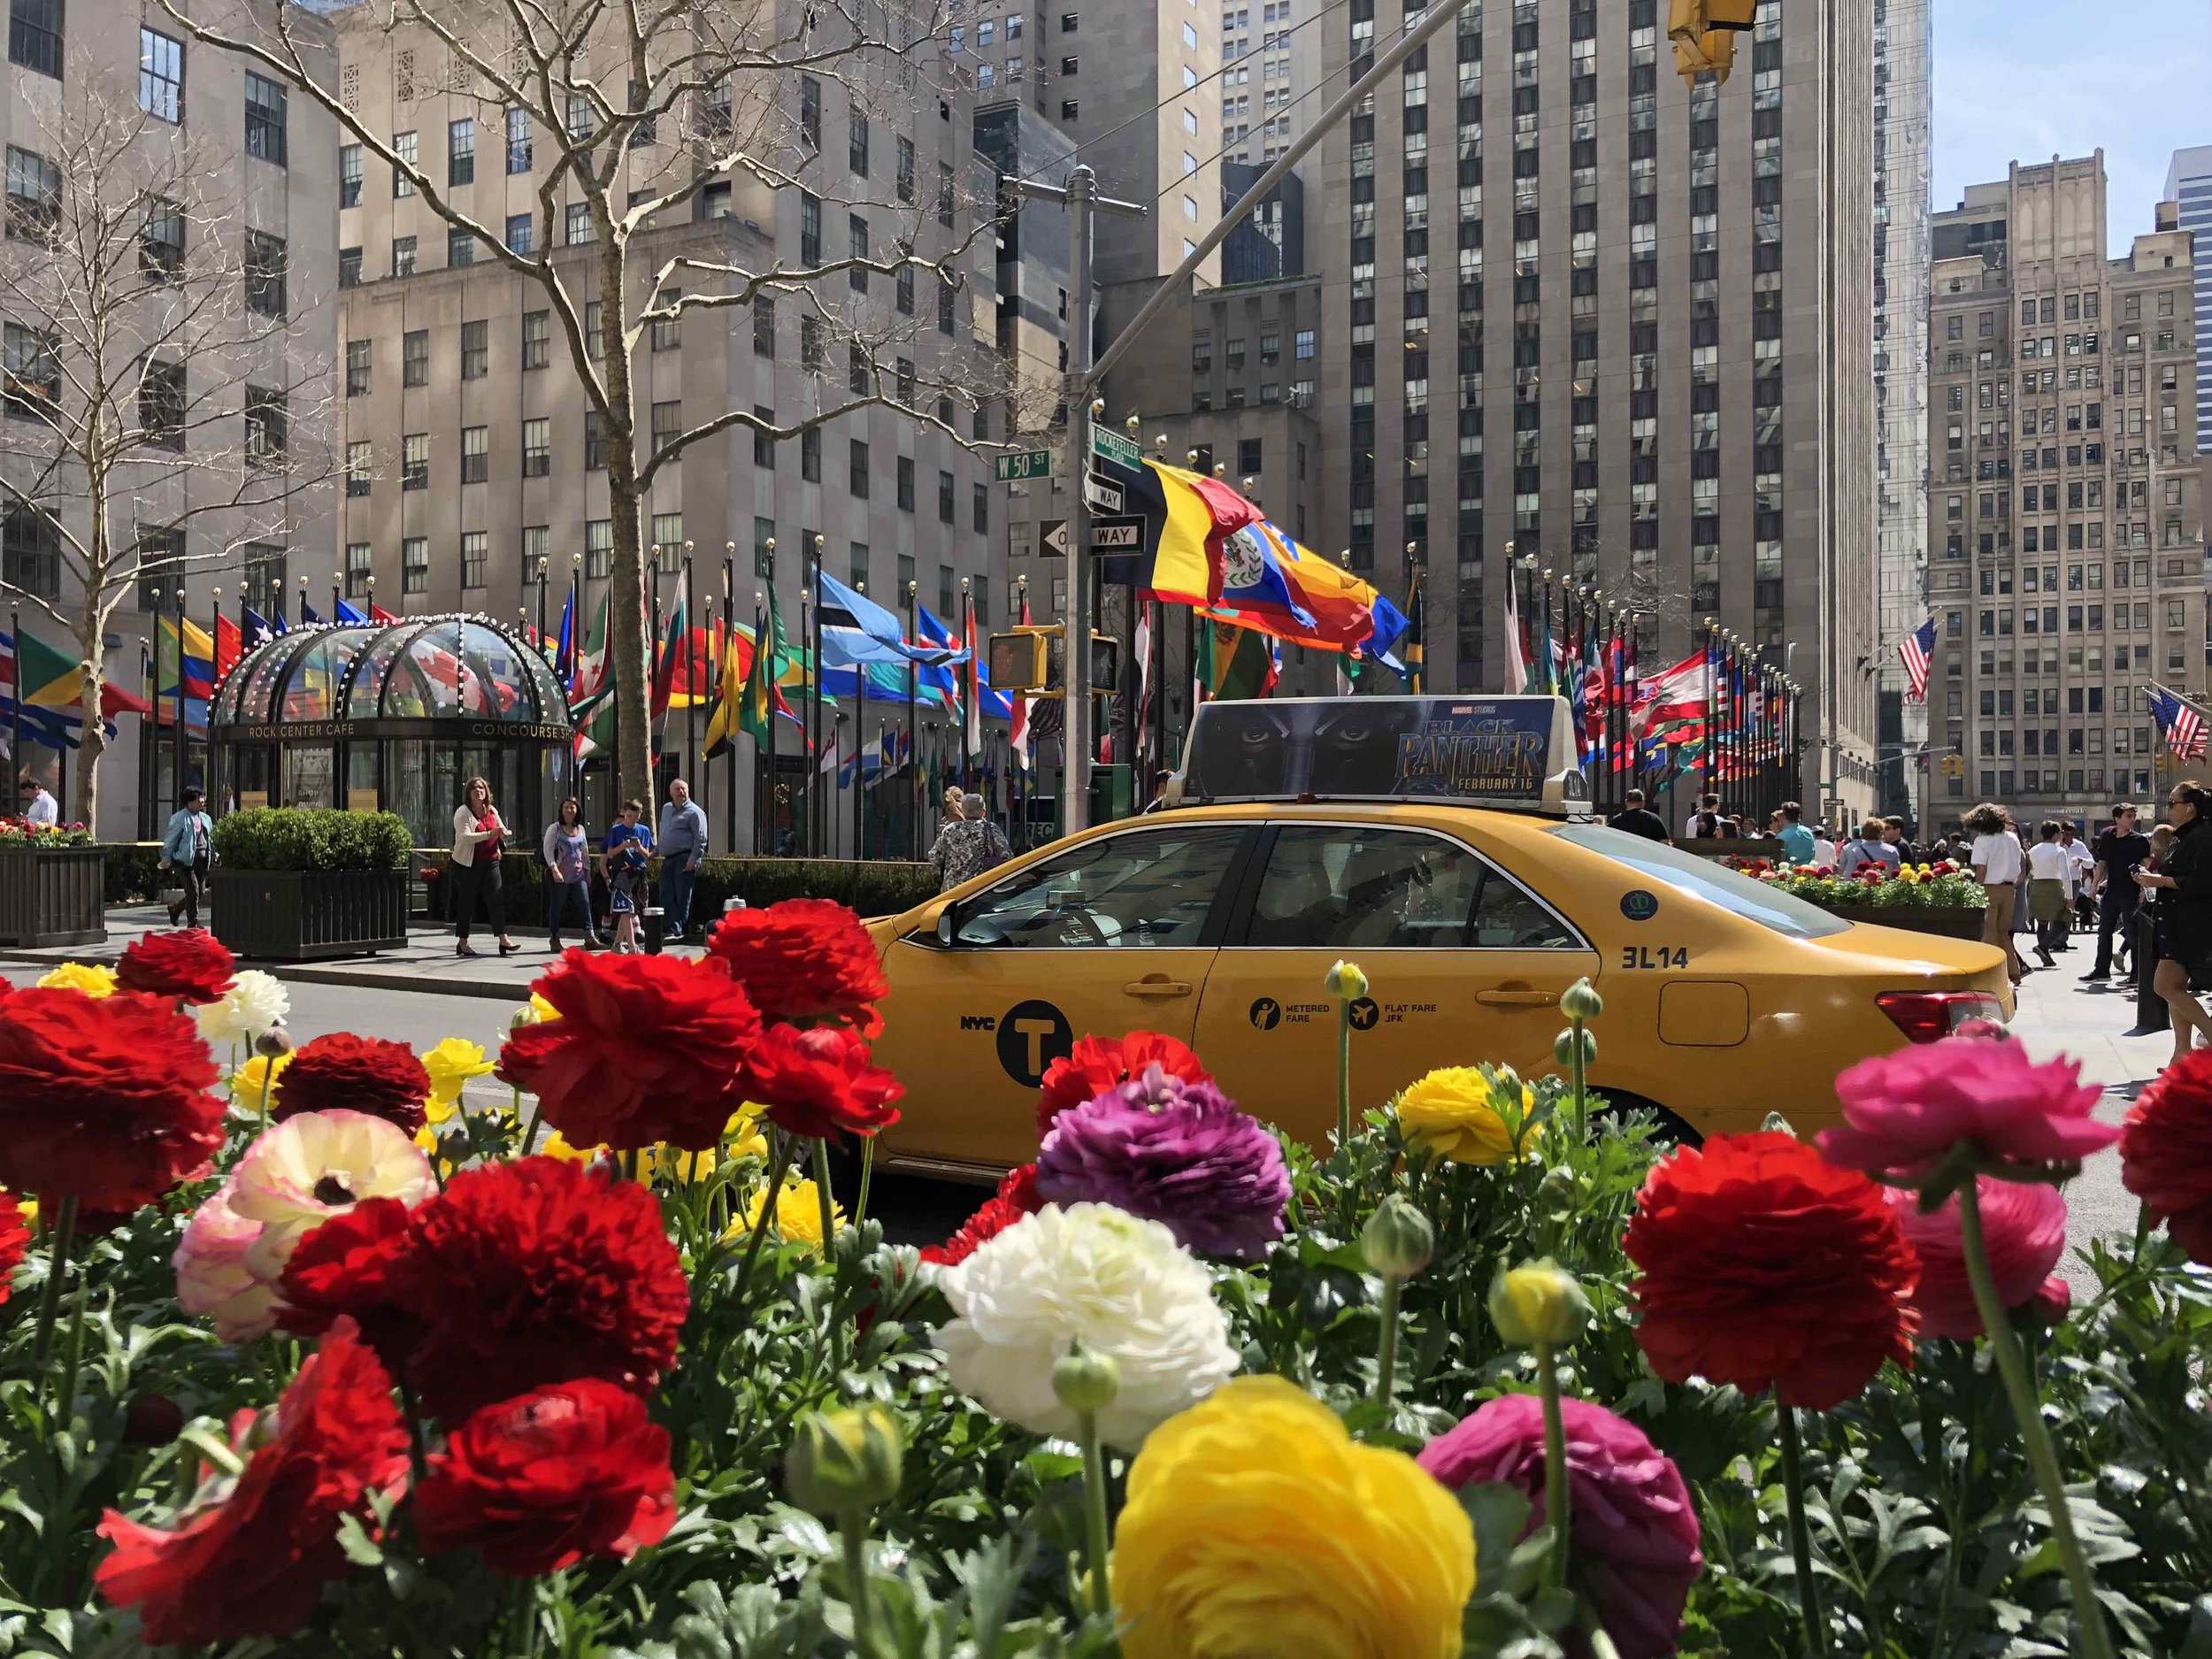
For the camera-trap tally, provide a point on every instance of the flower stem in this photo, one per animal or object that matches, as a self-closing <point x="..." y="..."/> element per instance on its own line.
<point x="414" y="1430"/>
<point x="268" y="1077"/>
<point x="787" y="1146"/>
<point x="1095" y="1514"/>
<point x="2012" y="1366"/>
<point x="529" y="1135"/>
<point x="829" y="1233"/>
<point x="1386" y="1352"/>
<point x="1556" y="1505"/>
<point x="1343" y="1072"/>
<point x="1801" y="1535"/>
<point x="72" y="1357"/>
<point x="1582" y="1106"/>
<point x="867" y="1173"/>
<point x="56" y="1272"/>
<point x="852" y="1530"/>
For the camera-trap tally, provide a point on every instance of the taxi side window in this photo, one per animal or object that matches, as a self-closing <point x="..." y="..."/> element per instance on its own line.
<point x="1347" y="887"/>
<point x="1146" y="887"/>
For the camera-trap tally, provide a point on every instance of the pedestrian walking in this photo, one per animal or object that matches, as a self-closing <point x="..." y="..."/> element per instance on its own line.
<point x="2047" y="890"/>
<point x="188" y="846"/>
<point x="2150" y="1007"/>
<point x="1893" y="838"/>
<point x="622" y="858"/>
<point x="1638" y="820"/>
<point x="1823" y="848"/>
<point x="1867" y="849"/>
<point x="1996" y="857"/>
<point x="1705" y="822"/>
<point x="683" y="843"/>
<point x="568" y="876"/>
<point x="2120" y="851"/>
<point x="2184" y="913"/>
<point x="967" y="845"/>
<point x="479" y="833"/>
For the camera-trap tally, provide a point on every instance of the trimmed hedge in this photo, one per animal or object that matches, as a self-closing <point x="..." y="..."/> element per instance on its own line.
<point x="311" y="837"/>
<point x="871" y="888"/>
<point x="132" y="873"/>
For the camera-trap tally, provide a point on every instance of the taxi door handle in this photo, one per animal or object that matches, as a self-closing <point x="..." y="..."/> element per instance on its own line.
<point x="1158" y="987"/>
<point x="1518" y="999"/>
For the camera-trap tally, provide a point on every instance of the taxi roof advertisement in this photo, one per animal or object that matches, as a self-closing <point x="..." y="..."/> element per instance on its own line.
<point x="1515" y="752"/>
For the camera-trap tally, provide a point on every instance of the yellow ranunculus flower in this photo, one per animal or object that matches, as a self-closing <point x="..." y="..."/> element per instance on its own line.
<point x="798" y="1217"/>
<point x="88" y="977"/>
<point x="246" y="1082"/>
<point x="742" y="1133"/>
<point x="1449" y="1112"/>
<point x="554" y="1146"/>
<point x="451" y="1064"/>
<point x="1256" y="1526"/>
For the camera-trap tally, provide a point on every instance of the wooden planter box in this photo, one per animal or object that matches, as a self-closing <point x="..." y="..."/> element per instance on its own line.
<point x="306" y="915"/>
<point x="53" y="895"/>
<point x="1950" y="921"/>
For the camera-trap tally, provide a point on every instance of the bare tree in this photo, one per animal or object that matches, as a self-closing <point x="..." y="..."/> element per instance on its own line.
<point x="156" y="380"/>
<point x="644" y="106"/>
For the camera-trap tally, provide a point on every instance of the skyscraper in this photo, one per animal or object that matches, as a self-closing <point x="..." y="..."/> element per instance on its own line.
<point x="2189" y="186"/>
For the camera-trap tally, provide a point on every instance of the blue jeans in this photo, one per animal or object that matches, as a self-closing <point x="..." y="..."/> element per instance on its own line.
<point x="677" y="880"/>
<point x="563" y="901"/>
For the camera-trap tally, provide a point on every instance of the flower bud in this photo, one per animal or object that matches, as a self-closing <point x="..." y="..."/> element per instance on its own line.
<point x="1564" y="1047"/>
<point x="524" y="1015"/>
<point x="843" y="1461"/>
<point x="273" y="1041"/>
<point x="1397" y="1239"/>
<point x="1538" y="1303"/>
<point x="1345" y="980"/>
<point x="1085" y="1380"/>
<point x="1581" y="1001"/>
<point x="1559" y="1185"/>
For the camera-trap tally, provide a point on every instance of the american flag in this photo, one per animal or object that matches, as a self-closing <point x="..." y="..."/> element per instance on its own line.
<point x="2180" y="725"/>
<point x="1915" y="650"/>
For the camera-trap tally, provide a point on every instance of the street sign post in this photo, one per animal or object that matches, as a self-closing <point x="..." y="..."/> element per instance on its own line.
<point x="1014" y="469"/>
<point x="1109" y="445"/>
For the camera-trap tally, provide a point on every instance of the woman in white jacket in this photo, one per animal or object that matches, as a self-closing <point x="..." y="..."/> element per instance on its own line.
<point x="478" y="832"/>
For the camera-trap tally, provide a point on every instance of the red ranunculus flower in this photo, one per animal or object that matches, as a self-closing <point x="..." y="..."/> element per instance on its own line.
<point x="355" y="1265"/>
<point x="817" y="1081"/>
<point x="189" y="965"/>
<point x="250" y="1558"/>
<point x="343" y="1072"/>
<point x="804" y="962"/>
<point x="15" y="1239"/>
<point x="1766" y="1266"/>
<point x="2166" y="1152"/>
<point x="647" y="1049"/>
<point x="539" y="1271"/>
<point x="105" y="1101"/>
<point x="539" y="1483"/>
<point x="1098" y="1064"/>
<point x="1016" y="1197"/>
<point x="152" y="1420"/>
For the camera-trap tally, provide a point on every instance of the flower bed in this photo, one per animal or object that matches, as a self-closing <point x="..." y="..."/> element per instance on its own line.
<point x="295" y="884"/>
<point x="310" y="1353"/>
<point x="52" y="885"/>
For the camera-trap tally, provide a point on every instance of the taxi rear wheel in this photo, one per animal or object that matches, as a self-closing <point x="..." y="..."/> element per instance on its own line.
<point x="1671" y="1131"/>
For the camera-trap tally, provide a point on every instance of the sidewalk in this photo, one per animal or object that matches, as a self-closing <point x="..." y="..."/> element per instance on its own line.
<point x="427" y="963"/>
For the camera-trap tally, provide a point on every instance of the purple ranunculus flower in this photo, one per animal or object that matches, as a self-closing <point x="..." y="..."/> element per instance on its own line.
<point x="1173" y="1152"/>
<point x="1633" y="1535"/>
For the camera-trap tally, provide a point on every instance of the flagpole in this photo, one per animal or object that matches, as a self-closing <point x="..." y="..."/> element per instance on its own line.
<point x="814" y="818"/>
<point x="729" y="640"/>
<point x="177" y="793"/>
<point x="860" y="744"/>
<point x="1712" y="683"/>
<point x="760" y="625"/>
<point x="689" y="662"/>
<point x="913" y="696"/>
<point x="969" y="711"/>
<point x="808" y="611"/>
<point x="771" y="679"/>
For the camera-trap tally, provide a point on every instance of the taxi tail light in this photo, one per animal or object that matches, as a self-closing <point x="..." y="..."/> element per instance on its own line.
<point x="1932" y="1015"/>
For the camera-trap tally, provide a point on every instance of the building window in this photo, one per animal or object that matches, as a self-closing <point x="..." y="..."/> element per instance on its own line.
<point x="460" y="152"/>
<point x="349" y="267"/>
<point x="402" y="255"/>
<point x="268" y="428"/>
<point x="595" y="442"/>
<point x="475" y="455"/>
<point x="357" y="467"/>
<point x="810" y="455"/>
<point x="403" y="170"/>
<point x="668" y="422"/>
<point x="537" y="551"/>
<point x="460" y="247"/>
<point x="264" y="274"/>
<point x="357" y="569"/>
<point x="668" y="537"/>
<point x="476" y="351"/>
<point x="537" y="447"/>
<point x="160" y="237"/>
<point x="982" y="507"/>
<point x="34" y="196"/>
<point x="668" y="332"/>
<point x="521" y="232"/>
<point x="583" y="120"/>
<point x="517" y="141"/>
<point x="763" y="328"/>
<point x="161" y="402"/>
<point x="598" y="547"/>
<point x="811" y="111"/>
<point x="414" y="461"/>
<point x="944" y="195"/>
<point x="810" y="229"/>
<point x="537" y="339"/>
<point x="414" y="564"/>
<point x="858" y="228"/>
<point x="265" y="119"/>
<point x="35" y="35"/>
<point x="348" y="175"/>
<point x="906" y="170"/>
<point x="763" y="545"/>
<point x="475" y="549"/>
<point x="30" y="551"/>
<point x="904" y="288"/>
<point x="944" y="498"/>
<point x="945" y="292"/>
<point x="906" y="483"/>
<point x="856" y="145"/>
<point x="357" y="367"/>
<point x="414" y="357"/>
<point x="594" y="336"/>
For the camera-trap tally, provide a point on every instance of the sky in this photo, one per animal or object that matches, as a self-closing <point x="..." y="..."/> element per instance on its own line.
<point x="2025" y="79"/>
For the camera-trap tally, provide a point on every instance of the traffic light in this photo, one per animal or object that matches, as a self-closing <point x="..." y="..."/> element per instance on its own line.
<point x="1704" y="34"/>
<point x="1035" y="660"/>
<point x="1953" y="766"/>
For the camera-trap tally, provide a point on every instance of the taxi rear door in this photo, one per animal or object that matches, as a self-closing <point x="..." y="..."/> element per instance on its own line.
<point x="1463" y="964"/>
<point x="1114" y="934"/>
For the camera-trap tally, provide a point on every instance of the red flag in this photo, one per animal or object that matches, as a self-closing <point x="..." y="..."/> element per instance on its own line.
<point x="230" y="645"/>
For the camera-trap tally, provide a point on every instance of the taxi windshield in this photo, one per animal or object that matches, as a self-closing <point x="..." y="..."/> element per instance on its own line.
<point x="1707" y="878"/>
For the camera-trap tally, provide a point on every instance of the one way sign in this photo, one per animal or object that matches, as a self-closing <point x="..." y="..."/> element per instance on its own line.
<point x="1055" y="538"/>
<point x="1118" y="536"/>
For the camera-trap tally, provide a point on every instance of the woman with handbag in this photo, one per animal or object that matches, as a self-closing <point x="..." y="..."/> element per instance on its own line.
<point x="478" y="832"/>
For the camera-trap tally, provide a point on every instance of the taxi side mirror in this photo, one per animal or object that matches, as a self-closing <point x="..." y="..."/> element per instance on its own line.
<point x="948" y="926"/>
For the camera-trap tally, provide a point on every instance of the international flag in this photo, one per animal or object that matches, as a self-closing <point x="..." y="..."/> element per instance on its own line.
<point x="378" y="613"/>
<point x="1915" y="650"/>
<point x="856" y="629"/>
<point x="1018" y="722"/>
<point x="349" y="616"/>
<point x="722" y="726"/>
<point x="257" y="628"/>
<point x="762" y="697"/>
<point x="564" y="658"/>
<point x="2180" y="725"/>
<point x="199" y="669"/>
<point x="1188" y="517"/>
<point x="1518" y="678"/>
<point x="1143" y="647"/>
<point x="670" y="649"/>
<point x="230" y="645"/>
<point x="1237" y="662"/>
<point x="308" y="619"/>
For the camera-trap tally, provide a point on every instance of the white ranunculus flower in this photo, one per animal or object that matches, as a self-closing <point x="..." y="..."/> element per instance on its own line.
<point x="1097" y="1275"/>
<point x="254" y="1002"/>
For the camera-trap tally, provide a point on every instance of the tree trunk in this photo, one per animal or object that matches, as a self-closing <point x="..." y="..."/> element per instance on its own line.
<point x="89" y="633"/>
<point x="626" y="574"/>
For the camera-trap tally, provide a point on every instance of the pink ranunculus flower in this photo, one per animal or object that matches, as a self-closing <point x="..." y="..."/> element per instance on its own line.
<point x="1633" y="1535"/>
<point x="1903" y="1111"/>
<point x="296" y="1176"/>
<point x="2023" y="1228"/>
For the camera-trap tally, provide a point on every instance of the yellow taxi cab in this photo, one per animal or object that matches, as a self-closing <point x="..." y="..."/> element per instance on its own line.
<point x="1445" y="846"/>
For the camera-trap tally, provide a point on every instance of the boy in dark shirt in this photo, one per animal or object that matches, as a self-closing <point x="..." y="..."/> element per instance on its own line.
<point x="2120" y="848"/>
